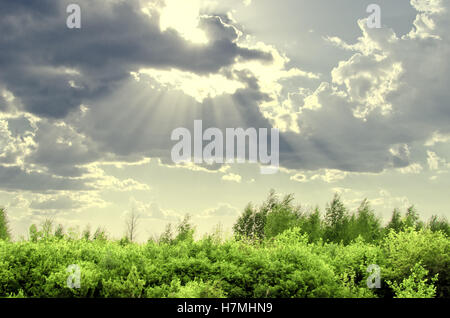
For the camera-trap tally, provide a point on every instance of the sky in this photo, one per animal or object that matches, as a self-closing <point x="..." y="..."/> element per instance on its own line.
<point x="86" y="114"/>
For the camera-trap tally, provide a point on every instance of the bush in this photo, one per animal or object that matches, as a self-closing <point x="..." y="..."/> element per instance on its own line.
<point x="415" y="286"/>
<point x="405" y="249"/>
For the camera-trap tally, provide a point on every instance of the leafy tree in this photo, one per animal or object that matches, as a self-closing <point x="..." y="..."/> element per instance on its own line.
<point x="86" y="233"/>
<point x="246" y="225"/>
<point x="5" y="233"/>
<point x="395" y="223"/>
<point x="252" y="224"/>
<point x="100" y="235"/>
<point x="367" y="225"/>
<point x="412" y="218"/>
<point x="337" y="221"/>
<point x="436" y="224"/>
<point x="312" y="225"/>
<point x="34" y="233"/>
<point x="185" y="230"/>
<point x="47" y="228"/>
<point x="167" y="236"/>
<point x="59" y="232"/>
<point x="282" y="216"/>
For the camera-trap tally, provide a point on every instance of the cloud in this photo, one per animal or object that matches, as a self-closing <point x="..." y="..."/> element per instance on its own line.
<point x="53" y="69"/>
<point x="152" y="210"/>
<point x="66" y="201"/>
<point x="299" y="177"/>
<point x="437" y="138"/>
<point x="330" y="176"/>
<point x="390" y="93"/>
<point x="434" y="161"/>
<point x="222" y="210"/>
<point x="414" y="168"/>
<point x="232" y="177"/>
<point x="114" y="90"/>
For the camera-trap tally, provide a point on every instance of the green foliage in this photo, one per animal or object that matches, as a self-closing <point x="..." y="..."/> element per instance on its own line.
<point x="251" y="223"/>
<point x="366" y="224"/>
<point x="100" y="235"/>
<point x="34" y="233"/>
<point x="431" y="249"/>
<point x="396" y="221"/>
<point x="5" y="233"/>
<point x="337" y="221"/>
<point x="196" y="289"/>
<point x="281" y="216"/>
<point x="436" y="224"/>
<point x="185" y="230"/>
<point x="278" y="251"/>
<point x="59" y="232"/>
<point x="415" y="286"/>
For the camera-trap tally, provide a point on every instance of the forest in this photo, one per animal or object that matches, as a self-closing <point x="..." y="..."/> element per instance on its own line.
<point x="278" y="250"/>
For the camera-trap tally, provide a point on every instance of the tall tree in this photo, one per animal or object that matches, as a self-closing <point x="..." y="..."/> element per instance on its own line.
<point x="436" y="224"/>
<point x="312" y="225"/>
<point x="59" y="232"/>
<point x="395" y="223"/>
<point x="5" y="233"/>
<point x="412" y="218"/>
<point x="185" y="230"/>
<point x="283" y="215"/>
<point x="367" y="224"/>
<point x="337" y="221"/>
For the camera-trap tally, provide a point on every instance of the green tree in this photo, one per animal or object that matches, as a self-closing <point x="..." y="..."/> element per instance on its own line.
<point x="86" y="233"/>
<point x="282" y="216"/>
<point x="167" y="236"/>
<point x="47" y="228"/>
<point x="412" y="218"/>
<point x="34" y="233"/>
<point x="185" y="230"/>
<point x="59" y="232"/>
<point x="245" y="225"/>
<point x="312" y="225"/>
<point x="5" y="233"/>
<point x="436" y="224"/>
<point x="395" y="223"/>
<point x="367" y="224"/>
<point x="100" y="235"/>
<point x="337" y="221"/>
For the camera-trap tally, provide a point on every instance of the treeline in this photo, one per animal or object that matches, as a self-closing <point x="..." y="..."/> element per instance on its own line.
<point x="337" y="224"/>
<point x="273" y="217"/>
<point x="278" y="250"/>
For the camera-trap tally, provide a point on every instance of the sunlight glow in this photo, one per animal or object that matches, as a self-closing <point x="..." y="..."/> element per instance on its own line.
<point x="183" y="16"/>
<point x="196" y="86"/>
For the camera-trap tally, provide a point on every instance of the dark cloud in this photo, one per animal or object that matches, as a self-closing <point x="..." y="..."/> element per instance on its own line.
<point x="15" y="178"/>
<point x="129" y="119"/>
<point x="115" y="38"/>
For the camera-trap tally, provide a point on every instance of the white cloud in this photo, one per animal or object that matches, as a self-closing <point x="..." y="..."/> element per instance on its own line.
<point x="330" y="176"/>
<point x="434" y="161"/>
<point x="232" y="177"/>
<point x="437" y="138"/>
<point x="414" y="168"/>
<point x="299" y="177"/>
<point x="222" y="210"/>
